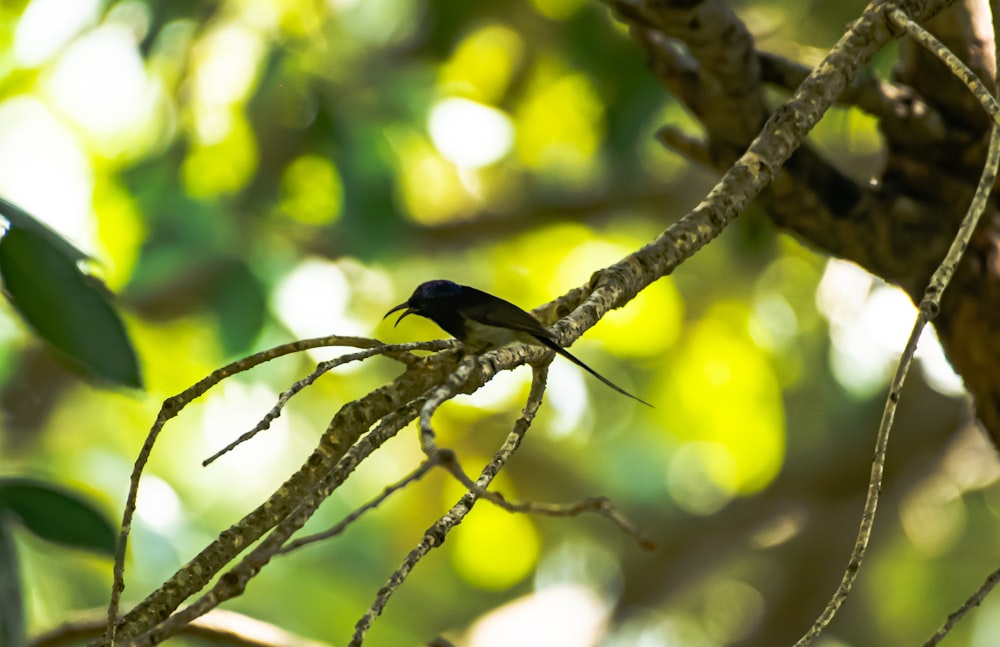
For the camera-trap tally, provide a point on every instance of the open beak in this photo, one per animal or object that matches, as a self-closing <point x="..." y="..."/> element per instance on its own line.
<point x="402" y="306"/>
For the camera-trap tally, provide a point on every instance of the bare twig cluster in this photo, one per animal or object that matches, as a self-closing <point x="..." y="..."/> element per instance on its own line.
<point x="279" y="541"/>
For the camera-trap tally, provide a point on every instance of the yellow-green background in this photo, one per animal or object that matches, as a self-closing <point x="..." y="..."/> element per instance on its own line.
<point x="247" y="172"/>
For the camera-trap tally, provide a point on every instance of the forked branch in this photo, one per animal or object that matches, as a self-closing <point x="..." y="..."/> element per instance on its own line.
<point x="929" y="307"/>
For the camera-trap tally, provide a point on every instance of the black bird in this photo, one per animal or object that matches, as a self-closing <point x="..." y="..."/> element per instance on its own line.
<point x="483" y="321"/>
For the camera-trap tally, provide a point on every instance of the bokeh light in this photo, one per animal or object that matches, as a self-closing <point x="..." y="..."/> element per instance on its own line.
<point x="269" y="170"/>
<point x="870" y="323"/>
<point x="45" y="170"/>
<point x="469" y="134"/>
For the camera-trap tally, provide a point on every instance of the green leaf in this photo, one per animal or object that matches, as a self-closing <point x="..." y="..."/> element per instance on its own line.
<point x="56" y="514"/>
<point x="12" y="630"/>
<point x="21" y="219"/>
<point x="66" y="307"/>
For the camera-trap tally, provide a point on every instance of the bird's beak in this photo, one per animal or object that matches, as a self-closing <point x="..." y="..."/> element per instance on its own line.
<point x="402" y="306"/>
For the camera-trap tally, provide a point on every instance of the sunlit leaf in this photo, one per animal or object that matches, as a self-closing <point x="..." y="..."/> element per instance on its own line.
<point x="65" y="307"/>
<point x="56" y="514"/>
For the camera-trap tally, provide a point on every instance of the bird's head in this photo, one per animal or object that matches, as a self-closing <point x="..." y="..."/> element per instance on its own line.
<point x="426" y="298"/>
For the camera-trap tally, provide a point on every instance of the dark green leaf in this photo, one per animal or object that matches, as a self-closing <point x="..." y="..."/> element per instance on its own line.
<point x="56" y="514"/>
<point x="66" y="307"/>
<point x="12" y="631"/>
<point x="21" y="219"/>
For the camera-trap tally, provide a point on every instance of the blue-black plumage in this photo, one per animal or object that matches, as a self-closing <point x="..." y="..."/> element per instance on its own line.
<point x="483" y="321"/>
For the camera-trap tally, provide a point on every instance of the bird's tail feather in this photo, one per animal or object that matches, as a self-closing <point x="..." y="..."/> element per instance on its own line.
<point x="571" y="357"/>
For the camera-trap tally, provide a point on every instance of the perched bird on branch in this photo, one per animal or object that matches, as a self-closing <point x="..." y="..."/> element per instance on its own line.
<point x="483" y="321"/>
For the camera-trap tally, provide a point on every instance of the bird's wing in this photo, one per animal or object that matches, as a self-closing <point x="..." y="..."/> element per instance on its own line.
<point x="493" y="311"/>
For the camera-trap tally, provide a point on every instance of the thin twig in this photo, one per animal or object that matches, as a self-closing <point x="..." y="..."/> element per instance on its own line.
<point x="321" y="368"/>
<point x="352" y="421"/>
<point x="600" y="505"/>
<point x="958" y="69"/>
<point x="170" y="408"/>
<point x="234" y="581"/>
<point x="438" y="396"/>
<point x="928" y="309"/>
<point x="991" y="580"/>
<point x="414" y="476"/>
<point x="896" y="106"/>
<point x="435" y="535"/>
<point x="448" y="460"/>
<point x="974" y="601"/>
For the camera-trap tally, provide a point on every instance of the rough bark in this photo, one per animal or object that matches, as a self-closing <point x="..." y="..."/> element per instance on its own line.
<point x="897" y="226"/>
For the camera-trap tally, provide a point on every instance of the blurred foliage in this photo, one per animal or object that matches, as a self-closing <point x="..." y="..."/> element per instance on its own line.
<point x="247" y="172"/>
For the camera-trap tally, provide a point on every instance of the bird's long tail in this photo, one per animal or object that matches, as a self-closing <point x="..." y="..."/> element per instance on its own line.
<point x="571" y="357"/>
